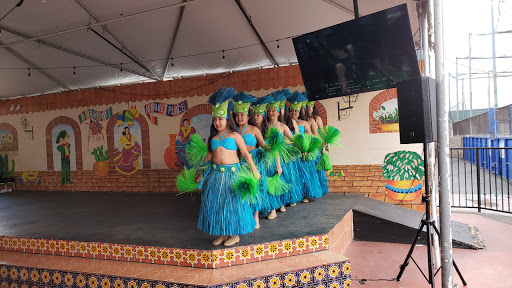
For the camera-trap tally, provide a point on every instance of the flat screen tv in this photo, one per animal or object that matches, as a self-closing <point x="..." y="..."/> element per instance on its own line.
<point x="366" y="54"/>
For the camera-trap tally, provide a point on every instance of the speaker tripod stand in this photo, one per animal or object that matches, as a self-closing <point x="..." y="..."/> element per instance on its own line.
<point x="430" y="225"/>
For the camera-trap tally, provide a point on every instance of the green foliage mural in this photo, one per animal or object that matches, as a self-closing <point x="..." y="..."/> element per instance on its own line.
<point x="403" y="165"/>
<point x="5" y="172"/>
<point x="99" y="154"/>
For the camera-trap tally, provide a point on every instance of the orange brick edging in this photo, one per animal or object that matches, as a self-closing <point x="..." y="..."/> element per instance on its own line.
<point x="367" y="180"/>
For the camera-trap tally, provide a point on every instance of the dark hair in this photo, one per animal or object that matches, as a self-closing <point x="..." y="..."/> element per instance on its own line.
<point x="186" y="119"/>
<point x="213" y="131"/>
<point x="288" y="121"/>
<point x="302" y="115"/>
<point x="314" y="114"/>
<point x="125" y="129"/>
<point x="264" y="124"/>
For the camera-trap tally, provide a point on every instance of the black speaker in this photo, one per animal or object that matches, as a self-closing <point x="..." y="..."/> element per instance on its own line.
<point x="417" y="110"/>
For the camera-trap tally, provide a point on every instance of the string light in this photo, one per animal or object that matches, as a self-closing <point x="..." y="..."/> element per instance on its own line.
<point x="0" y="32"/>
<point x="29" y="73"/>
<point x="277" y="44"/>
<point x="223" y="57"/>
<point x="74" y="72"/>
<point x="121" y="69"/>
<point x="172" y="62"/>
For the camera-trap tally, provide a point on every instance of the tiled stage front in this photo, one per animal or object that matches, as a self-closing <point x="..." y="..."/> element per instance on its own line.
<point x="302" y="247"/>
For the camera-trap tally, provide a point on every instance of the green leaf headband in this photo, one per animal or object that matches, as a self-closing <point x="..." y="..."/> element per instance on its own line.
<point x="295" y="105"/>
<point x="311" y="103"/>
<point x="260" y="109"/>
<point x="220" y="110"/>
<point x="275" y="105"/>
<point x="241" y="106"/>
<point x="304" y="103"/>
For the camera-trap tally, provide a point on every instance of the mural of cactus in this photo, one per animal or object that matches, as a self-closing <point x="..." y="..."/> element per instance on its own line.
<point x="99" y="154"/>
<point x="5" y="172"/>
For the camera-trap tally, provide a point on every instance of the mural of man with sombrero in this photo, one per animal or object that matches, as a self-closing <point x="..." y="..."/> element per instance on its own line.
<point x="65" y="150"/>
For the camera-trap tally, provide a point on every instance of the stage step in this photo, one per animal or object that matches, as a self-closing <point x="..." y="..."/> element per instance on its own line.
<point x="318" y="269"/>
<point x="378" y="221"/>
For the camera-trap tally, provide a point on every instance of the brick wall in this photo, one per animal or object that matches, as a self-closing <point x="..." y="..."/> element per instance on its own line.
<point x="359" y="179"/>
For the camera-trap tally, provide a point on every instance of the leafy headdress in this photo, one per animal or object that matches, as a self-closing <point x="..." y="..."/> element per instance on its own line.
<point x="242" y="101"/>
<point x="220" y="101"/>
<point x="261" y="104"/>
<point x="296" y="100"/>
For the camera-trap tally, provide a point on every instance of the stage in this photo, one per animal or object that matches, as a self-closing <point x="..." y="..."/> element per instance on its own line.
<point x="156" y="228"/>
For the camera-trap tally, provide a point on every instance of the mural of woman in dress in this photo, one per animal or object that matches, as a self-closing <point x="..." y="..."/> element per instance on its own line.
<point x="127" y="157"/>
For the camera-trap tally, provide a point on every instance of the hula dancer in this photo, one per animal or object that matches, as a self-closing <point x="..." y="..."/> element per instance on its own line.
<point x="252" y="137"/>
<point x="223" y="212"/>
<point x="290" y="174"/>
<point x="309" y="145"/>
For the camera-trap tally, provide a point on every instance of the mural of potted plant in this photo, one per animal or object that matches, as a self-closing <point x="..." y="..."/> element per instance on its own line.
<point x="404" y="170"/>
<point x="100" y="167"/>
<point x="387" y="118"/>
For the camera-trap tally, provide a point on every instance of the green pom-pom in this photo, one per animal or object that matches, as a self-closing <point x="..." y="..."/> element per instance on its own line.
<point x="196" y="150"/>
<point x="324" y="164"/>
<point x="276" y="186"/>
<point x="246" y="186"/>
<point x="278" y="147"/>
<point x="330" y="135"/>
<point x="186" y="181"/>
<point x="308" y="145"/>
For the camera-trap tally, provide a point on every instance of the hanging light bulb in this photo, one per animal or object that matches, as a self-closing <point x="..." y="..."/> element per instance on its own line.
<point x="74" y="72"/>
<point x="121" y="69"/>
<point x="0" y="32"/>
<point x="223" y="56"/>
<point x="172" y="62"/>
<point x="277" y="44"/>
<point x="29" y="75"/>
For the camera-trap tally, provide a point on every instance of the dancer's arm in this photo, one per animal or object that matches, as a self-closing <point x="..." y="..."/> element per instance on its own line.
<point x="243" y="150"/>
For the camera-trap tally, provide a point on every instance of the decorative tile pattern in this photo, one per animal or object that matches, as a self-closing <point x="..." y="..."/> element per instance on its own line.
<point x="331" y="275"/>
<point x="168" y="256"/>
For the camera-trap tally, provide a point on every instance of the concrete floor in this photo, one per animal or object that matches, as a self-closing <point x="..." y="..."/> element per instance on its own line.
<point x="377" y="264"/>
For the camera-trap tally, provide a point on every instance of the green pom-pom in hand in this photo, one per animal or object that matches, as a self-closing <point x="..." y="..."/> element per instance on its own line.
<point x="186" y="181"/>
<point x="196" y="150"/>
<point x="247" y="185"/>
<point x="276" y="186"/>
<point x="330" y="135"/>
<point x="324" y="164"/>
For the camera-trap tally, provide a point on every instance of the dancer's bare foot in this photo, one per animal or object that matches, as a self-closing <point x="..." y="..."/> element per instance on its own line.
<point x="305" y="200"/>
<point x="282" y="209"/>
<point x="219" y="240"/>
<point x="293" y="204"/>
<point x="257" y="219"/>
<point x="272" y="215"/>
<point x="232" y="240"/>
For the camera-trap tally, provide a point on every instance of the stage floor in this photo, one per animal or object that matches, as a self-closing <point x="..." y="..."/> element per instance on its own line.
<point x="151" y="219"/>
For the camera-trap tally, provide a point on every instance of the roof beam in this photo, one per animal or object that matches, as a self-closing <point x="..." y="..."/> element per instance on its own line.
<point x="134" y="57"/>
<point x="76" y="53"/>
<point x="341" y="7"/>
<point x="98" y="24"/>
<point x="248" y="18"/>
<point x="178" y="24"/>
<point x="29" y="63"/>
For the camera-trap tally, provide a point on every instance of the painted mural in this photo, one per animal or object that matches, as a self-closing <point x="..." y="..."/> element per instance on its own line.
<point x="171" y="110"/>
<point x="198" y="124"/>
<point x="404" y="170"/>
<point x="30" y="176"/>
<point x="128" y="156"/>
<point x="64" y="157"/>
<point x="100" y="167"/>
<point x="6" y="141"/>
<point x="383" y="112"/>
<point x="94" y="120"/>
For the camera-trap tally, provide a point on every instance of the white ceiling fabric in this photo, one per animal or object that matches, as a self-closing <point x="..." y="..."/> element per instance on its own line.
<point x="206" y="26"/>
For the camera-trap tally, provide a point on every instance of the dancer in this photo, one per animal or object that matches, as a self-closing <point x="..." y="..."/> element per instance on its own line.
<point x="312" y="118"/>
<point x="290" y="173"/>
<point x="311" y="187"/>
<point x="223" y="212"/>
<point x="253" y="139"/>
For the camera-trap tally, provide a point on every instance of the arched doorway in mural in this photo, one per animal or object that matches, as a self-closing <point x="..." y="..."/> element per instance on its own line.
<point x="128" y="142"/>
<point x="8" y="137"/>
<point x="64" y="147"/>
<point x="383" y="112"/>
<point x="197" y="119"/>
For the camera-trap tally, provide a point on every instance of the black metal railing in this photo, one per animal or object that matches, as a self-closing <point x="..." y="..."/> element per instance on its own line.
<point x="481" y="178"/>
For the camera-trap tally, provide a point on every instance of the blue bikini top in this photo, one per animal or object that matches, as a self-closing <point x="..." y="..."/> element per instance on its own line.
<point x="301" y="129"/>
<point x="249" y="139"/>
<point x="228" y="143"/>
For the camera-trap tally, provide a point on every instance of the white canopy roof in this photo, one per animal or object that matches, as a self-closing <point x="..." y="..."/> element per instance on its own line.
<point x="155" y="40"/>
